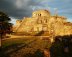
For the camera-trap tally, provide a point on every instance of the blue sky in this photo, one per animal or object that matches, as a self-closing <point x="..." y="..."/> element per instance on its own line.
<point x="64" y="7"/>
<point x="17" y="9"/>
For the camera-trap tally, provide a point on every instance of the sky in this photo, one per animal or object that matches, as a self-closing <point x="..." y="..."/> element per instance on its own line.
<point x="17" y="9"/>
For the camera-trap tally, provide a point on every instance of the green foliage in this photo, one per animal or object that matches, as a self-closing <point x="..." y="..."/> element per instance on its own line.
<point x="61" y="45"/>
<point x="4" y="17"/>
<point x="5" y="26"/>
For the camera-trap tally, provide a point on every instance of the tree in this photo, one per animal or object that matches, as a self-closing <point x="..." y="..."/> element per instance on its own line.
<point x="4" y="25"/>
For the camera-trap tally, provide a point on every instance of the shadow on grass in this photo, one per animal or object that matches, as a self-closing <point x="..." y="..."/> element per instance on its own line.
<point x="7" y="51"/>
<point x="38" y="53"/>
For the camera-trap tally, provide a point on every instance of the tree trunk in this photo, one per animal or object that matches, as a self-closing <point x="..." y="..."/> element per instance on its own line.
<point x="0" y="40"/>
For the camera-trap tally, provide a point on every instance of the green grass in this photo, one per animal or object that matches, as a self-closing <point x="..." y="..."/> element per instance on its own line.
<point x="9" y="42"/>
<point x="22" y="46"/>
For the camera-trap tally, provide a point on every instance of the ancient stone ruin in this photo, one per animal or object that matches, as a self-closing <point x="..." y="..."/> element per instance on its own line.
<point x="42" y="20"/>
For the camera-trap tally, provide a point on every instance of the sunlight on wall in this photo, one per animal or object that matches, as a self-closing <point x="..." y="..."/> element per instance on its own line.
<point x="52" y="40"/>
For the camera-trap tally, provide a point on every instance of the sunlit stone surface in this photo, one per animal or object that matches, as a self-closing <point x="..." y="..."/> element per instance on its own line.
<point x="42" y="20"/>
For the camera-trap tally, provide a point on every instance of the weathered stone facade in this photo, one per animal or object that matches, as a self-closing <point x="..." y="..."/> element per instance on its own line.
<point x="42" y="20"/>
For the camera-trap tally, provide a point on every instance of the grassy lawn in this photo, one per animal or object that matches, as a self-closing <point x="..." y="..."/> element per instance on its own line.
<point x="19" y="47"/>
<point x="9" y="42"/>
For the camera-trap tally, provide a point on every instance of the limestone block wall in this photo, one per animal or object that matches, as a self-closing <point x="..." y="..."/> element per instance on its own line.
<point x="42" y="21"/>
<point x="41" y="13"/>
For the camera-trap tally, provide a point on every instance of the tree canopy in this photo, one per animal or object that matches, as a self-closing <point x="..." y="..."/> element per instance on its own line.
<point x="5" y="26"/>
<point x="4" y="17"/>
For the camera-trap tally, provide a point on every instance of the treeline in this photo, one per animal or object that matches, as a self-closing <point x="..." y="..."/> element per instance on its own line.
<point x="62" y="47"/>
<point x="5" y="26"/>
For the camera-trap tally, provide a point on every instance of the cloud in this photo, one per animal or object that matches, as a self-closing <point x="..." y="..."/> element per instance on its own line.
<point x="17" y="8"/>
<point x="69" y="19"/>
<point x="21" y="8"/>
<point x="13" y="20"/>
